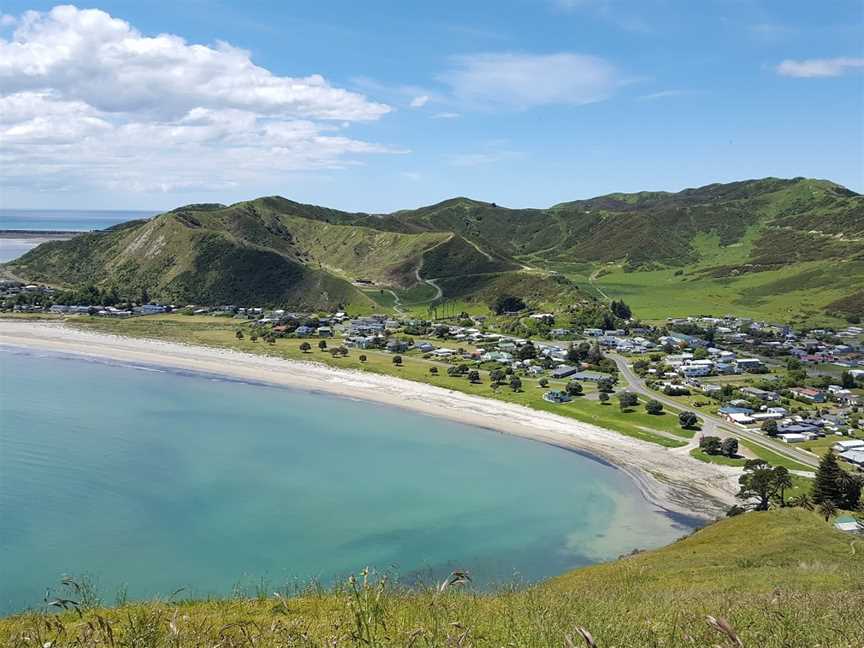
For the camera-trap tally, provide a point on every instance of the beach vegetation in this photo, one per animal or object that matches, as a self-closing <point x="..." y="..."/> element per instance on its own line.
<point x="775" y="579"/>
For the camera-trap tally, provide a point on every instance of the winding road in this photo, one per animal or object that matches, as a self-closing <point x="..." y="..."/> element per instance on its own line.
<point x="712" y="424"/>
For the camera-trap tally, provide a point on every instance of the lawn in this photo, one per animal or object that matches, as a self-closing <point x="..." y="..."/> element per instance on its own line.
<point x="773" y="458"/>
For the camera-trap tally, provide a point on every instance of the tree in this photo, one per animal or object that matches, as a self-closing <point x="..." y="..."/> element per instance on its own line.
<point x="804" y="501"/>
<point x="757" y="483"/>
<point x="362" y="358"/>
<point x="515" y="384"/>
<point x="735" y="510"/>
<point x="654" y="407"/>
<point x="544" y="382"/>
<point x="496" y="376"/>
<point x="239" y="334"/>
<point x="688" y="420"/>
<point x="605" y="386"/>
<point x="700" y="353"/>
<point x="770" y="428"/>
<point x="627" y="400"/>
<point x="322" y="344"/>
<point x="604" y="397"/>
<point x="574" y="388"/>
<point x="526" y="351"/>
<point x="850" y="491"/>
<point x="305" y="347"/>
<point x="827" y="509"/>
<point x="594" y="354"/>
<point x="826" y="486"/>
<point x="397" y="360"/>
<point x="710" y="445"/>
<point x="729" y="447"/>
<point x="782" y="480"/>
<point x="507" y="304"/>
<point x="474" y="376"/>
<point x="254" y="337"/>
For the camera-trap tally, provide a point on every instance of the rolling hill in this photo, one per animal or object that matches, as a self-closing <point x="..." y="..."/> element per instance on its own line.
<point x="777" y="579"/>
<point x="786" y="249"/>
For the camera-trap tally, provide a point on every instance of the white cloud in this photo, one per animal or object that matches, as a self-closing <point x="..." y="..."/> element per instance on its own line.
<point x="90" y="101"/>
<point x="419" y="102"/>
<point x="526" y="80"/>
<point x="819" y="67"/>
<point x="446" y="115"/>
<point x="665" y="94"/>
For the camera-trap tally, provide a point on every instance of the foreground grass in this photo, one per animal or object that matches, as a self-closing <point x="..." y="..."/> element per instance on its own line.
<point x="782" y="578"/>
<point x="774" y="458"/>
<point x="220" y="332"/>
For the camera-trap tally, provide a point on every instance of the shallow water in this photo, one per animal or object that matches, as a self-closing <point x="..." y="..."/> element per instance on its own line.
<point x="157" y="480"/>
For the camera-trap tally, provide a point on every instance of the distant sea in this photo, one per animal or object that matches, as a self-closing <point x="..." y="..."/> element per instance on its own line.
<point x="67" y="220"/>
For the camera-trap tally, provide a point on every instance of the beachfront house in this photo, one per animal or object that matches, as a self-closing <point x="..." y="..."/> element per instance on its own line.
<point x="557" y="397"/>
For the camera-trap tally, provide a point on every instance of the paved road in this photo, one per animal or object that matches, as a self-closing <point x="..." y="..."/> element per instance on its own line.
<point x="712" y="424"/>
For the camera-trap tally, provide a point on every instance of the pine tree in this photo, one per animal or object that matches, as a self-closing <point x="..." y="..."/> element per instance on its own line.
<point x="826" y="487"/>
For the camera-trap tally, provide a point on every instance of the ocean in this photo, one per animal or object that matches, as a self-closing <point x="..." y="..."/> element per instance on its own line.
<point x="147" y="480"/>
<point x="66" y="220"/>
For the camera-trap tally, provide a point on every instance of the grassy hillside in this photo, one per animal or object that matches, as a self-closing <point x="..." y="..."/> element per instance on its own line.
<point x="790" y="250"/>
<point x="782" y="578"/>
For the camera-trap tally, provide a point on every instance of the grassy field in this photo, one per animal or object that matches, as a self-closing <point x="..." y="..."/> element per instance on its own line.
<point x="775" y="459"/>
<point x="780" y="579"/>
<point x="655" y="295"/>
<point x="220" y="332"/>
<point x="721" y="460"/>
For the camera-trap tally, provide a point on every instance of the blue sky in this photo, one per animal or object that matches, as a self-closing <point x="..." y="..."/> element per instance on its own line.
<point x="377" y="106"/>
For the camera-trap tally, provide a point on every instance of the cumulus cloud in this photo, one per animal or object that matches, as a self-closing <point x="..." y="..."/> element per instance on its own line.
<point x="819" y="67"/>
<point x="524" y="81"/>
<point x="419" y="102"/>
<point x="89" y="100"/>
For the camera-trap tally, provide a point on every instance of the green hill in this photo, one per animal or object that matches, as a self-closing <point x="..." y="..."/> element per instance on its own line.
<point x="777" y="579"/>
<point x="790" y="250"/>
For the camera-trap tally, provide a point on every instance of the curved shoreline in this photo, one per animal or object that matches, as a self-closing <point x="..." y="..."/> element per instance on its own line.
<point x="668" y="479"/>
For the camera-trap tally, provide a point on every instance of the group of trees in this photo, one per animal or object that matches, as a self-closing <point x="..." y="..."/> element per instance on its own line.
<point x="507" y="304"/>
<point x="626" y="400"/>
<point x="620" y="309"/>
<point x="836" y="487"/>
<point x="761" y="484"/>
<point x="713" y="445"/>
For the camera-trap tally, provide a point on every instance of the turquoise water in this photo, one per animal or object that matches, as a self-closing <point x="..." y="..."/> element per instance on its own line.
<point x="67" y="220"/>
<point x="158" y="480"/>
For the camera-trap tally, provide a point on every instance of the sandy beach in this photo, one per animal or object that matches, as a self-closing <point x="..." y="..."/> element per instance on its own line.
<point x="669" y="478"/>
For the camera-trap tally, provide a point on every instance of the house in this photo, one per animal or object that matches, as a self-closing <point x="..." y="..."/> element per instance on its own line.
<point x="300" y="331"/>
<point x="589" y="376"/>
<point x="557" y="397"/>
<point x="496" y="356"/>
<point x="397" y="346"/>
<point x="324" y="331"/>
<point x="695" y="370"/>
<point x="740" y="418"/>
<point x="848" y="523"/>
<point x="793" y="437"/>
<point x="760" y="394"/>
<point x="854" y="456"/>
<point x="559" y="332"/>
<point x="749" y="364"/>
<point x="850" y="444"/>
<point x="443" y="353"/>
<point x="808" y="394"/>
<point x="426" y="347"/>
<point x="564" y="371"/>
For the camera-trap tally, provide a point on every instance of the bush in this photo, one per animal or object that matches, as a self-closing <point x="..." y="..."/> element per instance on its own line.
<point x="362" y="358"/>
<point x="544" y="382"/>
<point x="654" y="407"/>
<point x="474" y="376"/>
<point x="397" y="360"/>
<point x="710" y="445"/>
<point x="574" y="388"/>
<point x="688" y="420"/>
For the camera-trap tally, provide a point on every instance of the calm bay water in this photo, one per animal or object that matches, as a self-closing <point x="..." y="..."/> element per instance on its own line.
<point x="160" y="480"/>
